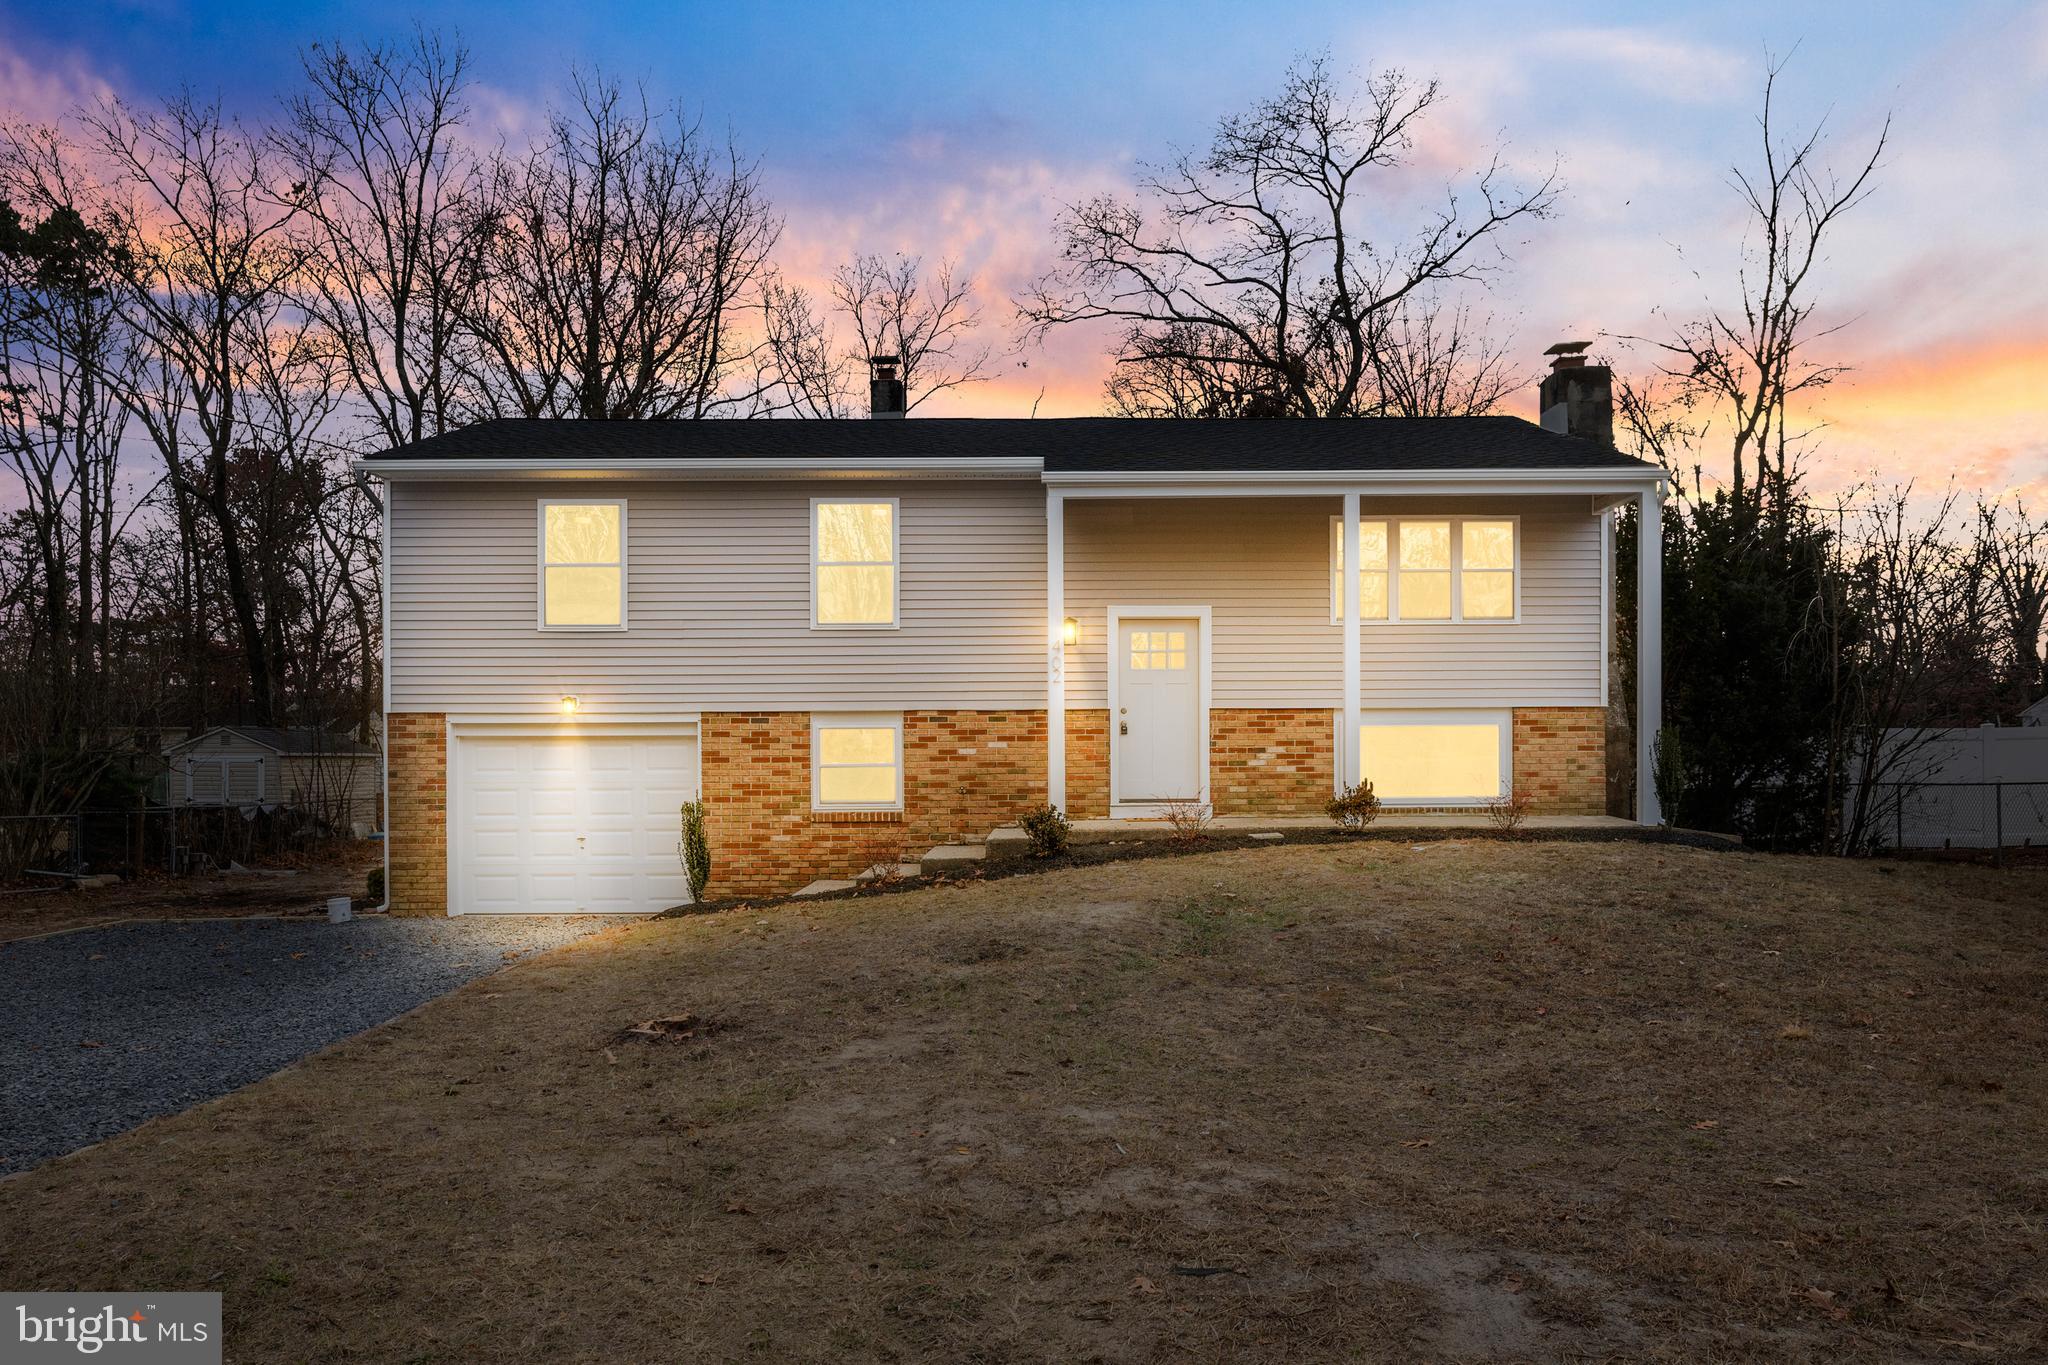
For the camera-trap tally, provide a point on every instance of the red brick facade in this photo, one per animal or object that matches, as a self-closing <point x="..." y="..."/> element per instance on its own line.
<point x="416" y="835"/>
<point x="1561" y="758"/>
<point x="1088" y="765"/>
<point x="1271" y="762"/>
<point x="965" y="772"/>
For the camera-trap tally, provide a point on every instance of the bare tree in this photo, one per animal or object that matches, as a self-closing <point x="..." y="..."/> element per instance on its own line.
<point x="203" y="214"/>
<point x="894" y="309"/>
<point x="61" y="423"/>
<point x="392" y="222"/>
<point x="1266" y="271"/>
<point x="2015" y="556"/>
<point x="621" y="258"/>
<point x="1747" y="367"/>
<point x="802" y="371"/>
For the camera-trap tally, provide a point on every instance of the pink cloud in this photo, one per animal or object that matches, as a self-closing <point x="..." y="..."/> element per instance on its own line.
<point x="44" y="91"/>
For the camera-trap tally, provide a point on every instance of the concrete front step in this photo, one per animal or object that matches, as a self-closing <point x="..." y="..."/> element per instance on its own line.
<point x="954" y="855"/>
<point x="902" y="870"/>
<point x="825" y="887"/>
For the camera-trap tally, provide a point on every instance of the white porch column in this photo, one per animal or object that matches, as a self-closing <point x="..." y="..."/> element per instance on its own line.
<point x="1347" y="748"/>
<point x="1649" y="649"/>
<point x="1056" y="648"/>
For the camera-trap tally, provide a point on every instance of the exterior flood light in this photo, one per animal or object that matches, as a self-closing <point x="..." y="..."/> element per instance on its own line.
<point x="569" y="706"/>
<point x="1070" y="631"/>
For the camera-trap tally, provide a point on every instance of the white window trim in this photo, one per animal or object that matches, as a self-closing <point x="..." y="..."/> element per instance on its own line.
<point x="895" y="621"/>
<point x="1504" y="719"/>
<point x="856" y="720"/>
<point x="1393" y="616"/>
<point x="540" y="558"/>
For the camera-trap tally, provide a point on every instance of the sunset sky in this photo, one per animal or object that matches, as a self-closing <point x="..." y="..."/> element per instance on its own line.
<point x="957" y="130"/>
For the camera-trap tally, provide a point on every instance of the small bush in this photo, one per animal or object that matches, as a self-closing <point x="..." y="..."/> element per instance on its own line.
<point x="695" y="850"/>
<point x="882" y="853"/>
<point x="1509" y="813"/>
<point x="375" y="890"/>
<point x="1355" y="807"/>
<point x="1047" y="829"/>
<point x="1189" y="820"/>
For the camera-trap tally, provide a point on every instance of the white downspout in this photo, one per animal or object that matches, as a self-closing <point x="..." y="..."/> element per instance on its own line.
<point x="384" y="665"/>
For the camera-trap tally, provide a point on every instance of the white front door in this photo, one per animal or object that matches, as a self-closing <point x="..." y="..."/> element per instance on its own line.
<point x="571" y="825"/>
<point x="1157" y="729"/>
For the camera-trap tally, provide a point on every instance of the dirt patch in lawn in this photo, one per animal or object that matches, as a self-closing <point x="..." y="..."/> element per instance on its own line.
<point x="1472" y="1100"/>
<point x="304" y="887"/>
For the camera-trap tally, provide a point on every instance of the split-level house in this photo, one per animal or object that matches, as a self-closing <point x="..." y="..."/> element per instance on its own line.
<point x="862" y="634"/>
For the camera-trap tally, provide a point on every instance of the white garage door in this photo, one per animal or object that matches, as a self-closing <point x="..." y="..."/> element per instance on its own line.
<point x="571" y="826"/>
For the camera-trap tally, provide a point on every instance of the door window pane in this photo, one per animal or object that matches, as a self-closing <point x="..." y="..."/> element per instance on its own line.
<point x="1159" y="649"/>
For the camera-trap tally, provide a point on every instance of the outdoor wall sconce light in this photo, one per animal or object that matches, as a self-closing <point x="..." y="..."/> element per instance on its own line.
<point x="1070" y="631"/>
<point x="569" y="706"/>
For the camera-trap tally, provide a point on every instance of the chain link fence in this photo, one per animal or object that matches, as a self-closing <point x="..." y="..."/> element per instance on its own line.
<point x="1960" y="815"/>
<point x="143" y="839"/>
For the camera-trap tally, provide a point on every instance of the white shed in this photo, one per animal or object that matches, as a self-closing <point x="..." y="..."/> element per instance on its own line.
<point x="331" y="776"/>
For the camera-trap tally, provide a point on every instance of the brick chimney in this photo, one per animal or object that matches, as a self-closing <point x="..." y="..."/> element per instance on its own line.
<point x="1577" y="398"/>
<point x="885" y="387"/>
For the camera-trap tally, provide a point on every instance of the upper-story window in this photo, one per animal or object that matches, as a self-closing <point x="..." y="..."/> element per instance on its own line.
<point x="853" y="563"/>
<point x="1430" y="569"/>
<point x="582" y="565"/>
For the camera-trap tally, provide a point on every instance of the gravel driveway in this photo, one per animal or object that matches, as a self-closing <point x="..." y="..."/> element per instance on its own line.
<point x="103" y="1028"/>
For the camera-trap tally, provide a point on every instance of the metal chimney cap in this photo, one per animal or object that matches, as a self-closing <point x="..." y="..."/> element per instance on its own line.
<point x="1568" y="348"/>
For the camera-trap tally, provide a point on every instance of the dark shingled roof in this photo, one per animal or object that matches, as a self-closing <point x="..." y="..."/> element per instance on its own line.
<point x="1067" y="445"/>
<point x="294" y="741"/>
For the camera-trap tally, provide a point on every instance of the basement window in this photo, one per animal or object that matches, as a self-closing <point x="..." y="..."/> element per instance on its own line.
<point x="1436" y="758"/>
<point x="857" y="763"/>
<point x="582" y="565"/>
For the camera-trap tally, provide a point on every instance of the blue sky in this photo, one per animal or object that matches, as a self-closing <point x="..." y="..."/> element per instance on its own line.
<point x="958" y="129"/>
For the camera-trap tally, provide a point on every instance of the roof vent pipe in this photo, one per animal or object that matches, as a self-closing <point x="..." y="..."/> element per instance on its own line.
<point x="885" y="387"/>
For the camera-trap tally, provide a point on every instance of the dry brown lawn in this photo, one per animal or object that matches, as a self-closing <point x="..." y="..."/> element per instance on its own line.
<point x="1359" y="1102"/>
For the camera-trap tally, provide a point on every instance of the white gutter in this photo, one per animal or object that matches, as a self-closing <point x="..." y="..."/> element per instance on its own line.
<point x="1003" y="467"/>
<point x="1577" y="479"/>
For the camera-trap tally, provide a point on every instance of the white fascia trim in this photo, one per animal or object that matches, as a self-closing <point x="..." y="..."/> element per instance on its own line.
<point x="1007" y="467"/>
<point x="1333" y="483"/>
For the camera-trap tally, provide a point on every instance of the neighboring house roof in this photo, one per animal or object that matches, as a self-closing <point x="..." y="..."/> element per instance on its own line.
<point x="1064" y="444"/>
<point x="2037" y="714"/>
<point x="293" y="742"/>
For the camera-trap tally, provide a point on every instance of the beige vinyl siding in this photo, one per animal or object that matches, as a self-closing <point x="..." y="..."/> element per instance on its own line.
<point x="1262" y="567"/>
<point x="718" y="601"/>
